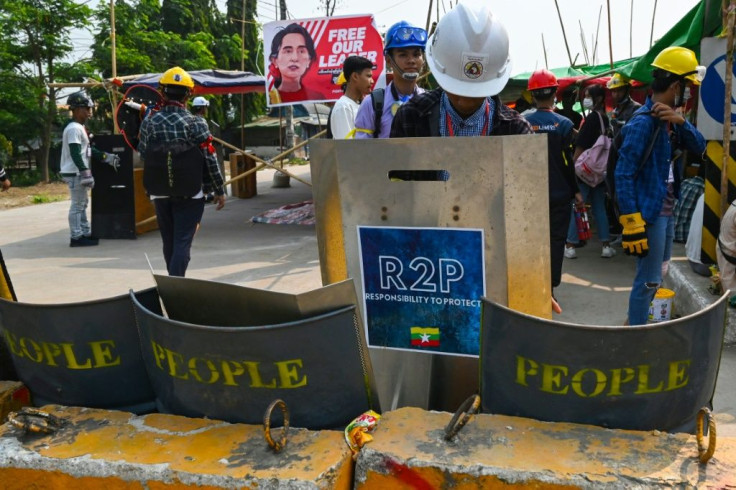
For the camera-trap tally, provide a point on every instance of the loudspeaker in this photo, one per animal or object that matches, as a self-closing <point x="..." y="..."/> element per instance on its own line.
<point x="113" y="197"/>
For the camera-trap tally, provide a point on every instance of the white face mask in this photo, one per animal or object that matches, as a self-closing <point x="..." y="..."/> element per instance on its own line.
<point x="588" y="103"/>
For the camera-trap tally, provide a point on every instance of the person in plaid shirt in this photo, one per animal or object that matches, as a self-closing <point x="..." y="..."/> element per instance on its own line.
<point x="178" y="161"/>
<point x="646" y="196"/>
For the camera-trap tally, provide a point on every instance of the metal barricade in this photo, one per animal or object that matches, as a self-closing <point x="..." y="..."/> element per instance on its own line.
<point x="647" y="377"/>
<point x="81" y="354"/>
<point x="228" y="351"/>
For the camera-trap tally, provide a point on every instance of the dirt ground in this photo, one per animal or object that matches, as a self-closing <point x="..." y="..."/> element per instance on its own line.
<point x="16" y="197"/>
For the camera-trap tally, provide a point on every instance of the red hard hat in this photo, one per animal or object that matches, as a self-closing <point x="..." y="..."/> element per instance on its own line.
<point x="542" y="79"/>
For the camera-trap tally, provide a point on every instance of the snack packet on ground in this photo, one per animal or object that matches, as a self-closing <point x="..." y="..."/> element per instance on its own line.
<point x="357" y="431"/>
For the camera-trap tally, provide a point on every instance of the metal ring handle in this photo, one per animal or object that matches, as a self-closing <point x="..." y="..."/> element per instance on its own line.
<point x="467" y="409"/>
<point x="31" y="419"/>
<point x="277" y="446"/>
<point x="705" y="452"/>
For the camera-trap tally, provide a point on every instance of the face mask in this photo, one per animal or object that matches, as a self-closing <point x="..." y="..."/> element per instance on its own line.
<point x="681" y="101"/>
<point x="588" y="103"/>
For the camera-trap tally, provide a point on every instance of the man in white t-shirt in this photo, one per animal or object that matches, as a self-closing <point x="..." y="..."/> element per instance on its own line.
<point x="76" y="157"/>
<point x="358" y="74"/>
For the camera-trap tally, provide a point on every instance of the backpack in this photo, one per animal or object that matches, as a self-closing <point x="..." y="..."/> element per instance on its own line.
<point x="591" y="165"/>
<point x="377" y="97"/>
<point x="613" y="160"/>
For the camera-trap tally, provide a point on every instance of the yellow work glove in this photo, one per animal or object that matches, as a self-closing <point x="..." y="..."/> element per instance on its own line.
<point x="634" y="236"/>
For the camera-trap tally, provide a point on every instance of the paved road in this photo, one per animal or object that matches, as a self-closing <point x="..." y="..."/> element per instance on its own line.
<point x="229" y="248"/>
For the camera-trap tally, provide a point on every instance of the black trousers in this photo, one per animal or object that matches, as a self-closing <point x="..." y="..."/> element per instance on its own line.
<point x="177" y="220"/>
<point x="559" y="221"/>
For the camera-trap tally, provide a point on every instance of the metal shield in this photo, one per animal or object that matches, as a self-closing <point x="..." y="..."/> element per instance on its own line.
<point x="317" y="365"/>
<point x="497" y="184"/>
<point x="81" y="354"/>
<point x="646" y="377"/>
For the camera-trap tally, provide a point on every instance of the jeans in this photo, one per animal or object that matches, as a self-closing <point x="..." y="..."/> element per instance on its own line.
<point x="178" y="220"/>
<point x="660" y="234"/>
<point x="597" y="196"/>
<point x="78" y="224"/>
<point x="559" y="220"/>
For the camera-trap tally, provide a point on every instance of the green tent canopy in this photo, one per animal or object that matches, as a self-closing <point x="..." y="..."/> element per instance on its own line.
<point x="704" y="20"/>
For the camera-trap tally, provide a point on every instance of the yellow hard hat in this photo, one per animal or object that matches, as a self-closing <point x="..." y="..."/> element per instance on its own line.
<point x="617" y="81"/>
<point x="177" y="76"/>
<point x="680" y="61"/>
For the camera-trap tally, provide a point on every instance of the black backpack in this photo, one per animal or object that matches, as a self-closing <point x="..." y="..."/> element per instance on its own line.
<point x="613" y="160"/>
<point x="377" y="97"/>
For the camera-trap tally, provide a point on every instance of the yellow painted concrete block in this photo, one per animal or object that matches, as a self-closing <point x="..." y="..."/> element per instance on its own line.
<point x="495" y="451"/>
<point x="13" y="396"/>
<point x="118" y="450"/>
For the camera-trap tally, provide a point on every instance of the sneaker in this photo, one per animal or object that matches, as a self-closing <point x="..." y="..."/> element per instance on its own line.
<point x="618" y="240"/>
<point x="607" y="252"/>
<point x="570" y="253"/>
<point x="83" y="242"/>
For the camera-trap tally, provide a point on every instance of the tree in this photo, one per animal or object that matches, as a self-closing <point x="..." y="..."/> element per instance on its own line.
<point x="243" y="23"/>
<point x="152" y="37"/>
<point x="329" y="6"/>
<point x="36" y="37"/>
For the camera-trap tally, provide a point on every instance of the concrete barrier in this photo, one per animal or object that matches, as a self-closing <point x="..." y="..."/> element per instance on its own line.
<point x="118" y="450"/>
<point x="13" y="396"/>
<point x="496" y="451"/>
<point x="691" y="295"/>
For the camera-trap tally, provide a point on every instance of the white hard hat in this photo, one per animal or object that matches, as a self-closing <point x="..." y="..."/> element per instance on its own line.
<point x="468" y="53"/>
<point x="200" y="102"/>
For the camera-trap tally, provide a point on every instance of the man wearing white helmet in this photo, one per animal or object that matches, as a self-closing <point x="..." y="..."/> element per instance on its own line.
<point x="199" y="107"/>
<point x="468" y="55"/>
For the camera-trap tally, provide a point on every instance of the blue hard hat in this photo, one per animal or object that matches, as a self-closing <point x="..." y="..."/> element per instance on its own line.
<point x="404" y="35"/>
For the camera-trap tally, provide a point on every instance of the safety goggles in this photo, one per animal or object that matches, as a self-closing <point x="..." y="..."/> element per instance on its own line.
<point x="410" y="34"/>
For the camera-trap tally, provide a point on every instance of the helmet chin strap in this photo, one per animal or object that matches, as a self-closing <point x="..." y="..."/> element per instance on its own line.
<point x="409" y="76"/>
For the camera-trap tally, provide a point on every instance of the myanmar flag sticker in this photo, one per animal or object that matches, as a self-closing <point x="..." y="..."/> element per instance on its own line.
<point x="425" y="336"/>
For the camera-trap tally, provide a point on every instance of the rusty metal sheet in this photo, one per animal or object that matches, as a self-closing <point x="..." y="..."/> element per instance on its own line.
<point x="317" y="365"/>
<point x="81" y="354"/>
<point x="647" y="377"/>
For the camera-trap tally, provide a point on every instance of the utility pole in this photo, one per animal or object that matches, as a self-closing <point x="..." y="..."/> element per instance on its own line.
<point x="281" y="179"/>
<point x="116" y="130"/>
<point x="289" y="113"/>
<point x="242" y="68"/>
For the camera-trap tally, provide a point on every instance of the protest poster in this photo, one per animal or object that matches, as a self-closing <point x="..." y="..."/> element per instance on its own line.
<point x="304" y="57"/>
<point x="422" y="288"/>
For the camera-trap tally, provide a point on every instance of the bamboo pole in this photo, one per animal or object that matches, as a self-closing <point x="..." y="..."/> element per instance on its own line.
<point x="631" y="30"/>
<point x="76" y="84"/>
<point x="651" y="33"/>
<point x="429" y="15"/>
<point x="597" y="32"/>
<point x="584" y="44"/>
<point x="544" y="48"/>
<point x="610" y="39"/>
<point x="728" y="79"/>
<point x="564" y="36"/>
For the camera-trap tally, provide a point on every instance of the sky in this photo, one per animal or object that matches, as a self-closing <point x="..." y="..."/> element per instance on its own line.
<point x="526" y="21"/>
<point x="525" y="25"/>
